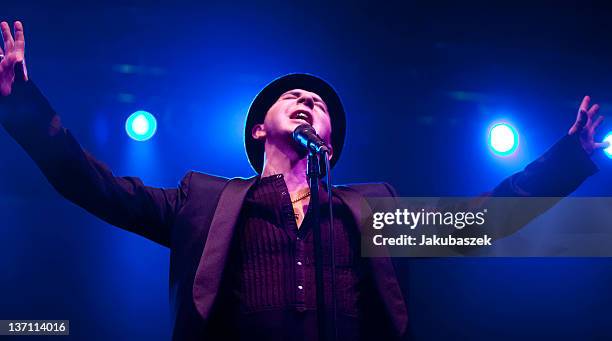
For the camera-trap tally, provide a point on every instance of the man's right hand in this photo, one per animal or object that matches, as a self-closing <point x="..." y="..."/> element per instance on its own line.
<point x="14" y="54"/>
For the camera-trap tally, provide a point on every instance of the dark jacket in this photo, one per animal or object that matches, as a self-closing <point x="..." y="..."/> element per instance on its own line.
<point x="196" y="220"/>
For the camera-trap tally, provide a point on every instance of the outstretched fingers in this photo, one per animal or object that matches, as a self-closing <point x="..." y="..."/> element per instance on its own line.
<point x="19" y="42"/>
<point x="581" y="121"/>
<point x="584" y="105"/>
<point x="6" y="36"/>
<point x="19" y="36"/>
<point x="593" y="110"/>
<point x="18" y="27"/>
<point x="597" y="123"/>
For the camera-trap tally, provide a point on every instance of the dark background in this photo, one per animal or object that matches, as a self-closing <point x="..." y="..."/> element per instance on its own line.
<point x="421" y="82"/>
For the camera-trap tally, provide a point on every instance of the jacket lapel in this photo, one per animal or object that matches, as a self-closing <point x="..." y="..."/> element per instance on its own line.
<point x="213" y="259"/>
<point x="381" y="267"/>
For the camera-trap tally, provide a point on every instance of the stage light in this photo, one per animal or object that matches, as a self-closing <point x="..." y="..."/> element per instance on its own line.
<point x="608" y="151"/>
<point x="141" y="125"/>
<point x="503" y="139"/>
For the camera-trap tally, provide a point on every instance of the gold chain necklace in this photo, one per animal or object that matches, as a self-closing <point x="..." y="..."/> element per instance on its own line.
<point x="301" y="197"/>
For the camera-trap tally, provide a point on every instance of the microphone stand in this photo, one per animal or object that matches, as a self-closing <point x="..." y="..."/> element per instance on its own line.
<point x="313" y="173"/>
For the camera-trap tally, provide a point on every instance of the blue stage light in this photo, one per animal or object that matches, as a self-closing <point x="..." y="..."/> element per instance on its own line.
<point x="503" y="139"/>
<point x="608" y="151"/>
<point x="141" y="125"/>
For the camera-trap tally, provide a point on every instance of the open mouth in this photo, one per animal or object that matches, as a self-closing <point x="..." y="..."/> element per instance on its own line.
<point x="302" y="115"/>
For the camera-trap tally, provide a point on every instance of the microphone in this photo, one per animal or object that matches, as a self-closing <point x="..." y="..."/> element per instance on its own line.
<point x="307" y="137"/>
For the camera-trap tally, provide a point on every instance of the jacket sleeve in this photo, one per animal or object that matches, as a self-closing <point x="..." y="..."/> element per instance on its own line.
<point x="525" y="195"/>
<point x="121" y="201"/>
<point x="557" y="173"/>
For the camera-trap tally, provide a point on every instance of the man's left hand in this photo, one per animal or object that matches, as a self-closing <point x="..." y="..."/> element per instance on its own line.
<point x="585" y="126"/>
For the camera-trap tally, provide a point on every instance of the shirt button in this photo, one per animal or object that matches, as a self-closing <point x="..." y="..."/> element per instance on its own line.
<point x="279" y="176"/>
<point x="284" y="193"/>
<point x="300" y="287"/>
<point x="299" y="263"/>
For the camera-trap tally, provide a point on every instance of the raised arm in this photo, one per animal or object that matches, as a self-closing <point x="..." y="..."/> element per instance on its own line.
<point x="121" y="201"/>
<point x="564" y="166"/>
<point x="552" y="176"/>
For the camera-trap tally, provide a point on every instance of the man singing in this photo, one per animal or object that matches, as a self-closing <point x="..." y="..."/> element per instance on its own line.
<point x="241" y="250"/>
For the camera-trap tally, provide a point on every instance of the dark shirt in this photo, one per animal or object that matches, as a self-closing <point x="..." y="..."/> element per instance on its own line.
<point x="272" y="268"/>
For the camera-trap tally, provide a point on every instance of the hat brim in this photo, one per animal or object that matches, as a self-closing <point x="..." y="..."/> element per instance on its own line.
<point x="270" y="94"/>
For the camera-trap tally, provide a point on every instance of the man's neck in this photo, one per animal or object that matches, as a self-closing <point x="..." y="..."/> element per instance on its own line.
<point x="287" y="164"/>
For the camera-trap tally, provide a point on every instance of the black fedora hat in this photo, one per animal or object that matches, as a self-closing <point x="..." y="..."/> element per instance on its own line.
<point x="268" y="96"/>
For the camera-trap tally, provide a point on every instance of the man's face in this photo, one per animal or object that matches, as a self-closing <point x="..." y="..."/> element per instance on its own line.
<point x="291" y="109"/>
